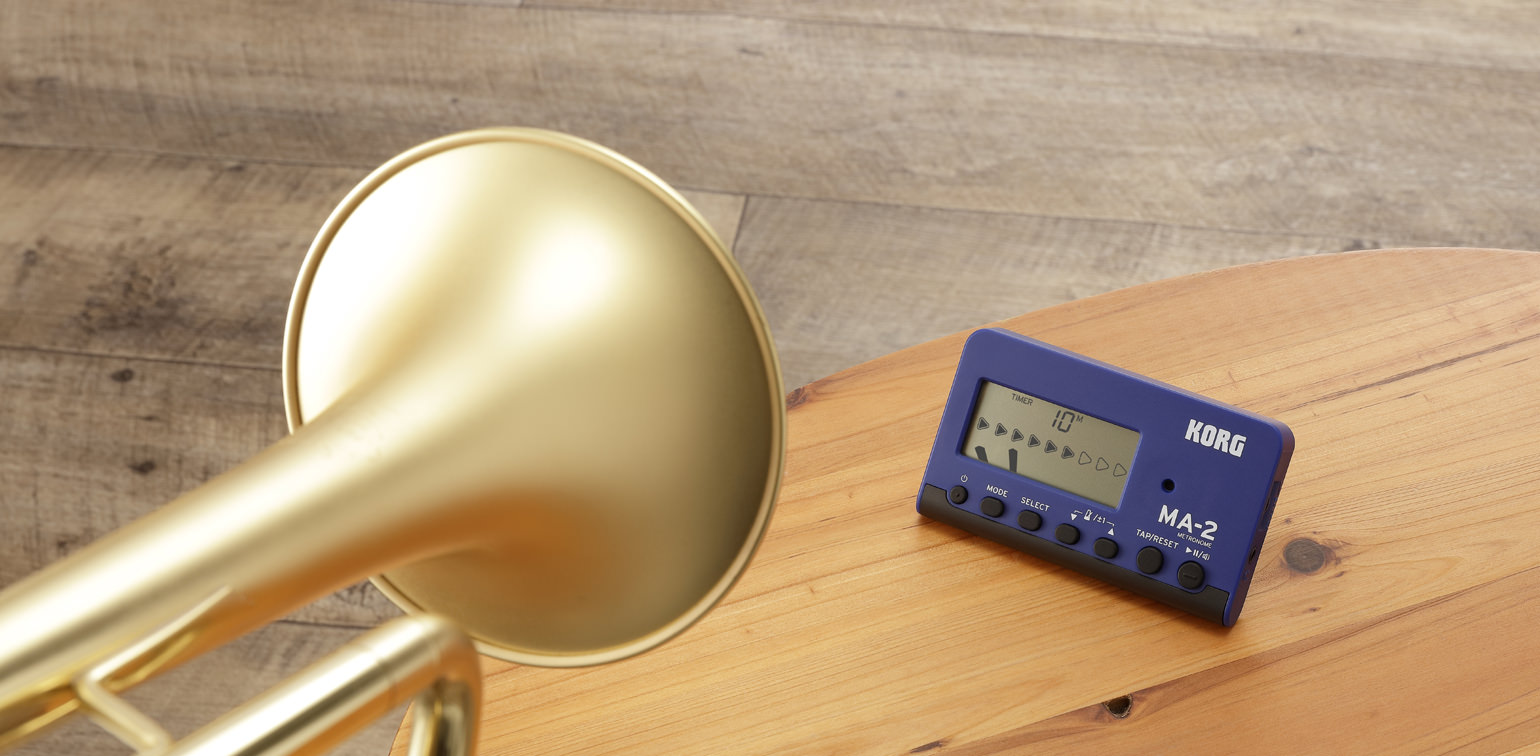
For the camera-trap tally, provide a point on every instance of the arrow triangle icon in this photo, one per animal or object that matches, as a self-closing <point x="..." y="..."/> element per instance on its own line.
<point x="999" y="429"/>
<point x="1119" y="471"/>
<point x="983" y="424"/>
<point x="1016" y="435"/>
<point x="1034" y="441"/>
<point x="1051" y="447"/>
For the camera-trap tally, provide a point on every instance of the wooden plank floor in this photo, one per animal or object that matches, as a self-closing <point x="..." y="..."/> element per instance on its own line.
<point x="887" y="172"/>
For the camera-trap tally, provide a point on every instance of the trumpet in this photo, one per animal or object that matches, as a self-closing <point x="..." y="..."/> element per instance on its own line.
<point x="529" y="392"/>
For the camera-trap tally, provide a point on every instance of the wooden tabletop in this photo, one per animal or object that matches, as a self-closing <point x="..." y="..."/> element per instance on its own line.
<point x="1393" y="608"/>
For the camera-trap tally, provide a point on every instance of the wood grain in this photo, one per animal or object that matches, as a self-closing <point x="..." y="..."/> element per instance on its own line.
<point x="863" y="628"/>
<point x="1224" y="138"/>
<point x="1474" y="706"/>
<point x="170" y="257"/>
<point x="1487" y="33"/>
<point x="890" y="294"/>
<point x="156" y="256"/>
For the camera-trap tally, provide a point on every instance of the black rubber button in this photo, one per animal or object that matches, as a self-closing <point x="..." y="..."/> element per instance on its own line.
<point x="958" y="494"/>
<point x="1067" y="533"/>
<point x="1106" y="548"/>
<point x="1150" y="560"/>
<point x="1190" y="575"/>
<point x="992" y="506"/>
<point x="1029" y="520"/>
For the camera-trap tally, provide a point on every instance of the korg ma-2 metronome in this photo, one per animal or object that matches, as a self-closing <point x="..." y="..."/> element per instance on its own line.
<point x="1114" y="475"/>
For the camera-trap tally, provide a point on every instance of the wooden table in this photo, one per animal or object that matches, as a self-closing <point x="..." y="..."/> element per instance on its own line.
<point x="1394" y="607"/>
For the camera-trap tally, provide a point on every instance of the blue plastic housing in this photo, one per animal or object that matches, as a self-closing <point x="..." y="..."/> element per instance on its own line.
<point x="1188" y="498"/>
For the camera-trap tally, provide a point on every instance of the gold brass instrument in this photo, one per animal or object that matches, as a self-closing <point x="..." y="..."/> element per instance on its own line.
<point x="530" y="392"/>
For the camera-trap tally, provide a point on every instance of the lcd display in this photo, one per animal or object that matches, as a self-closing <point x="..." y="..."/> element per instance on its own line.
<point x="1050" y="443"/>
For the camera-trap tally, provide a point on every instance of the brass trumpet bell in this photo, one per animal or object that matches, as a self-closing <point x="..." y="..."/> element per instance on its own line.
<point x="575" y="358"/>
<point x="530" y="392"/>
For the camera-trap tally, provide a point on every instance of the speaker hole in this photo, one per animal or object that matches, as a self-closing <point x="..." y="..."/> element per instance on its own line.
<point x="1168" y="485"/>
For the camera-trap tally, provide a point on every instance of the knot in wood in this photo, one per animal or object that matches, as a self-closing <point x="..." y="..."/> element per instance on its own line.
<point x="1305" y="556"/>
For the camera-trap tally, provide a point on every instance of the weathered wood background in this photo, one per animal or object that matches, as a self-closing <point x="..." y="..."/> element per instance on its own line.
<point x="887" y="172"/>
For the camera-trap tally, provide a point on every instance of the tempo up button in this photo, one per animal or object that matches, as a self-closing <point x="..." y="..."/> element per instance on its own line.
<point x="1106" y="548"/>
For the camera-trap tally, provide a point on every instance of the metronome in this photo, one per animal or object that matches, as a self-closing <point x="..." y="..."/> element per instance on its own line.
<point x="1121" y="477"/>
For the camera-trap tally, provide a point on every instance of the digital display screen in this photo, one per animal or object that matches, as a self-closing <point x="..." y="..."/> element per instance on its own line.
<point x="1050" y="443"/>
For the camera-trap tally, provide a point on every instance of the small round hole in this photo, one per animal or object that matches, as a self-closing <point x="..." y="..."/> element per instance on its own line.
<point x="1168" y="485"/>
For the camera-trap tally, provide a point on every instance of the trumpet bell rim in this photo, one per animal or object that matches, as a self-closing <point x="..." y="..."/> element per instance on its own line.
<point x="515" y="649"/>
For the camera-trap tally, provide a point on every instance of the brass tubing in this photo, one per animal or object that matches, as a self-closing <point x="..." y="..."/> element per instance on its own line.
<point x="420" y="655"/>
<point x="263" y="536"/>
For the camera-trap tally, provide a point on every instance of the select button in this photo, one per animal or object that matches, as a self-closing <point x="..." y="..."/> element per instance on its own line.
<point x="1029" y="520"/>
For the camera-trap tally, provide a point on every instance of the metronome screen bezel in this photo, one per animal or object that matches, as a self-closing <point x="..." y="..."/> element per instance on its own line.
<point x="1046" y="451"/>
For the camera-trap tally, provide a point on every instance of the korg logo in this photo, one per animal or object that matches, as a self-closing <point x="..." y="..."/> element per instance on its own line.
<point x="1216" y="438"/>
